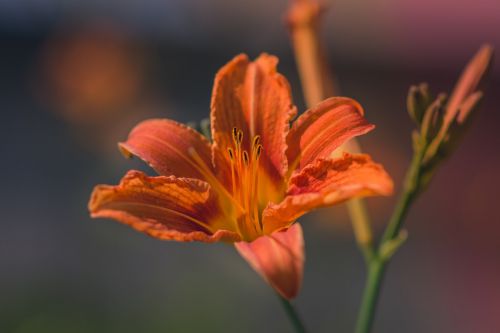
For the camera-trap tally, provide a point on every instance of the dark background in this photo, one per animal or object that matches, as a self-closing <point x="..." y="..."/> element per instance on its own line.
<point x="76" y="76"/>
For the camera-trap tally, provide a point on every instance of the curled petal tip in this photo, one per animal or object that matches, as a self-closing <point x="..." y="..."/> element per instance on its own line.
<point x="278" y="258"/>
<point x="321" y="130"/>
<point x="122" y="147"/>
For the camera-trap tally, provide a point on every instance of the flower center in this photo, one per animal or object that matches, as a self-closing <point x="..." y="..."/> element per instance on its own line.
<point x="244" y="177"/>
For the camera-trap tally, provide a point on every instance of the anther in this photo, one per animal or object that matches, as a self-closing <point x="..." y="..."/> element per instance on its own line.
<point x="256" y="141"/>
<point x="258" y="151"/>
<point x="246" y="160"/>
<point x="240" y="136"/>
<point x="235" y="136"/>
<point x="231" y="154"/>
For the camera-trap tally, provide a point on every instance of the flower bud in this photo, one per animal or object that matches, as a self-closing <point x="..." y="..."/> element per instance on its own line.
<point x="417" y="102"/>
<point x="433" y="118"/>
<point x="470" y="81"/>
<point x="466" y="111"/>
<point x="463" y="101"/>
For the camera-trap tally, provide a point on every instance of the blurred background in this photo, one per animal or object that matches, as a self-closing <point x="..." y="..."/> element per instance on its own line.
<point x="75" y="76"/>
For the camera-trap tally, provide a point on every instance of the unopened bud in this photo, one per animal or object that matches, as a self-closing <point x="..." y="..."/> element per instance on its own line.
<point x="417" y="102"/>
<point x="466" y="111"/>
<point x="468" y="106"/>
<point x="432" y="120"/>
<point x="470" y="81"/>
<point x="464" y="100"/>
<point x="205" y="128"/>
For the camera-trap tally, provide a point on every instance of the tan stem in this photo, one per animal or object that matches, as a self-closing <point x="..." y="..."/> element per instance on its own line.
<point x="303" y="18"/>
<point x="303" y="21"/>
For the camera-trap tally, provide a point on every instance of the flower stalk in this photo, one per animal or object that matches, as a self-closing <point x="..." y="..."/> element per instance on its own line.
<point x="436" y="120"/>
<point x="393" y="238"/>
<point x="440" y="124"/>
<point x="292" y="315"/>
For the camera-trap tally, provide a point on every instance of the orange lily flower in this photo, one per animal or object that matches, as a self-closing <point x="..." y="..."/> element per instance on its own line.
<point x="258" y="176"/>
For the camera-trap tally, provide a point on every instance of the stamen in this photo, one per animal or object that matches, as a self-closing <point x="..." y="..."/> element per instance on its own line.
<point x="237" y="139"/>
<point x="205" y="170"/>
<point x="240" y="136"/>
<point x="256" y="215"/>
<point x="258" y="151"/>
<point x="244" y="176"/>
<point x="246" y="159"/>
<point x="245" y="188"/>
<point x="256" y="141"/>
<point x="235" y="134"/>
<point x="233" y="176"/>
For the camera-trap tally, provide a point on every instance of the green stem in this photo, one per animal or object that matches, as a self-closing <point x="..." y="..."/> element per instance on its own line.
<point x="370" y="295"/>
<point x="410" y="192"/>
<point x="292" y="315"/>
<point x="376" y="264"/>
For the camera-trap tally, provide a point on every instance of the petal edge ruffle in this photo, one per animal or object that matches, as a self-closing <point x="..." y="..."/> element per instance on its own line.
<point x="324" y="128"/>
<point x="327" y="182"/>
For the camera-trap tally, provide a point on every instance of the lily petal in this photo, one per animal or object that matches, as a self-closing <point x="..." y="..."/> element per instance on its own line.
<point x="324" y="128"/>
<point x="165" y="145"/>
<point x="168" y="208"/>
<point x="278" y="258"/>
<point x="226" y="109"/>
<point x="253" y="97"/>
<point x="327" y="182"/>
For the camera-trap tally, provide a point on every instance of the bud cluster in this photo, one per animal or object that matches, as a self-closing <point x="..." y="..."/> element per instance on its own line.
<point x="441" y="121"/>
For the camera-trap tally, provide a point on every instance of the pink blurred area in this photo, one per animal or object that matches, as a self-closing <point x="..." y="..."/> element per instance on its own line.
<point x="448" y="29"/>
